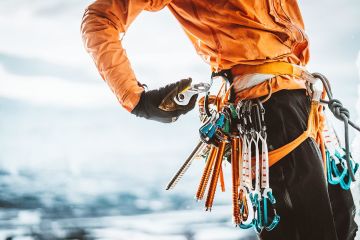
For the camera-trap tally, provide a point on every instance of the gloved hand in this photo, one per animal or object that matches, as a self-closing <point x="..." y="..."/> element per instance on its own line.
<point x="159" y="104"/>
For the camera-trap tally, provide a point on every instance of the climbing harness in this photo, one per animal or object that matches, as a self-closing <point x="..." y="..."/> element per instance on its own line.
<point x="236" y="132"/>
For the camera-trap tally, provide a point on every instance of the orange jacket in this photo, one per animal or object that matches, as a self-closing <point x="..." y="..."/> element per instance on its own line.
<point x="226" y="33"/>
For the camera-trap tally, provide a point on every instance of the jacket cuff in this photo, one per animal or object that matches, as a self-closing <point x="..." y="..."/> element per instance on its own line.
<point x="131" y="98"/>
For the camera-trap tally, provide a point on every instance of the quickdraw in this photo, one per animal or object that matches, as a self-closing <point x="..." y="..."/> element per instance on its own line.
<point x="253" y="132"/>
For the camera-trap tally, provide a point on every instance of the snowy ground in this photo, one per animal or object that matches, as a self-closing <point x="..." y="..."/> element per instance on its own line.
<point x="74" y="165"/>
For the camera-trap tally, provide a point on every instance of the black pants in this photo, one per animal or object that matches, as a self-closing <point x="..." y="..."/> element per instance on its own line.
<point x="309" y="207"/>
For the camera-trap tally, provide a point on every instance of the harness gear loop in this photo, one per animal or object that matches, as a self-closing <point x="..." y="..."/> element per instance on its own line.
<point x="269" y="94"/>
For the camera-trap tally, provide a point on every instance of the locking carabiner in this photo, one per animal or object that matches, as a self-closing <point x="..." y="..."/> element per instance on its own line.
<point x="268" y="197"/>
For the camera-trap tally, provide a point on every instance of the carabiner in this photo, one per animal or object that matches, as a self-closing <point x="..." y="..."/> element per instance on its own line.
<point x="337" y="171"/>
<point x="268" y="196"/>
<point x="245" y="207"/>
<point x="208" y="130"/>
<point x="332" y="170"/>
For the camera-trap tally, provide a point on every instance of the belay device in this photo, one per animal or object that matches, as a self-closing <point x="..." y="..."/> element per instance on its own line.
<point x="237" y="133"/>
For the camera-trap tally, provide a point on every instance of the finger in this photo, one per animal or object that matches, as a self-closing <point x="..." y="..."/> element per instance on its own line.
<point x="175" y="88"/>
<point x="192" y="101"/>
<point x="167" y="103"/>
<point x="154" y="113"/>
<point x="184" y="84"/>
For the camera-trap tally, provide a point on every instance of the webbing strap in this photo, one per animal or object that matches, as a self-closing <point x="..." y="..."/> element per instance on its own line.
<point x="275" y="68"/>
<point x="311" y="131"/>
<point x="278" y="154"/>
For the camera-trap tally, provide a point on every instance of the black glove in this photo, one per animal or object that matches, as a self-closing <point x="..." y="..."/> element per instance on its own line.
<point x="159" y="105"/>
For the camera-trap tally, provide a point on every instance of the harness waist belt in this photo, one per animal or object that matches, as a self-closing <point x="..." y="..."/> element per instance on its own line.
<point x="248" y="76"/>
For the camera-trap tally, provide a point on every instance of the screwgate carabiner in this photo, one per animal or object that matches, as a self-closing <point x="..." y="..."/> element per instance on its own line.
<point x="337" y="170"/>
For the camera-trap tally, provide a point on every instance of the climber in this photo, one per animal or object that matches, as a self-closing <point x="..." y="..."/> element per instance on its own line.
<point x="241" y="37"/>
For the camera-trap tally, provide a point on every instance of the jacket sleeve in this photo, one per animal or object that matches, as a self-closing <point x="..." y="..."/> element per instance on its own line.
<point x="102" y="24"/>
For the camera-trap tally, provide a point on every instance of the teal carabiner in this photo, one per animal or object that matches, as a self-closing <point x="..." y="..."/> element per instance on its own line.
<point x="338" y="173"/>
<point x="247" y="226"/>
<point x="259" y="224"/>
<point x="262" y="222"/>
<point x="276" y="219"/>
<point x="333" y="175"/>
<point x="346" y="181"/>
<point x="258" y="221"/>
